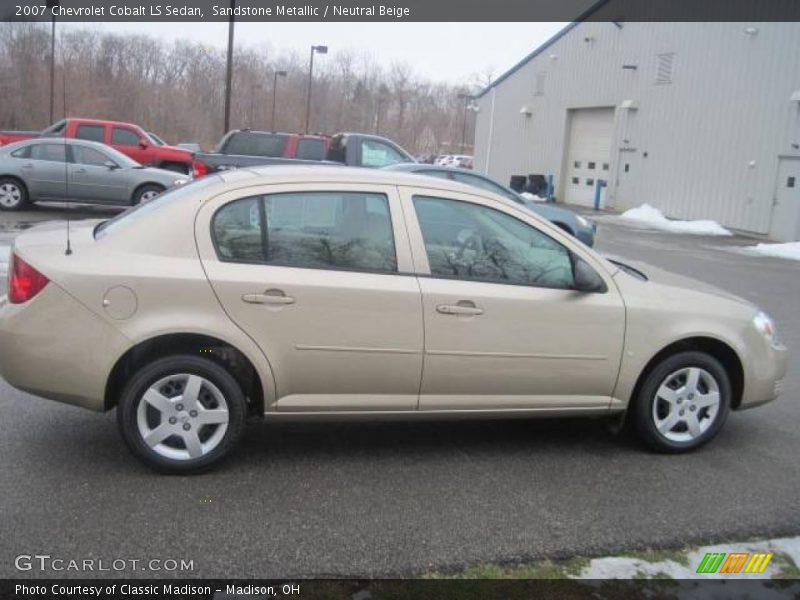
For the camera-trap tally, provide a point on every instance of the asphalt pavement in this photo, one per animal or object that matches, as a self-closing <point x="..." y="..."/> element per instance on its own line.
<point x="379" y="499"/>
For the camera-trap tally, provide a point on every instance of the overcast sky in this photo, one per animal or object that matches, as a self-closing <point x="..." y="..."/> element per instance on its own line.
<point x="450" y="52"/>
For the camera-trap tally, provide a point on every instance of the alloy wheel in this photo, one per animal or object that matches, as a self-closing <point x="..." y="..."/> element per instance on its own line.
<point x="686" y="404"/>
<point x="182" y="417"/>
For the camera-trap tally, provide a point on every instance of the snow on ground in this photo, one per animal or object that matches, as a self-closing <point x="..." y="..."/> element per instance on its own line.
<point x="4" y="251"/>
<point x="789" y="250"/>
<point x="685" y="567"/>
<point x="532" y="197"/>
<point x="649" y="216"/>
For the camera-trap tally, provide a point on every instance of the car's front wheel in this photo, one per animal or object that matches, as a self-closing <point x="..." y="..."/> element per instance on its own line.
<point x="146" y="193"/>
<point x="683" y="402"/>
<point x="181" y="414"/>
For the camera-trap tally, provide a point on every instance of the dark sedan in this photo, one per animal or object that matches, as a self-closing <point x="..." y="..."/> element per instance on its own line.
<point x="576" y="225"/>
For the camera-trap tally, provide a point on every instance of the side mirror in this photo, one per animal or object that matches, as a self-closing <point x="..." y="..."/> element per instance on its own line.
<point x="143" y="145"/>
<point x="111" y="165"/>
<point x="585" y="278"/>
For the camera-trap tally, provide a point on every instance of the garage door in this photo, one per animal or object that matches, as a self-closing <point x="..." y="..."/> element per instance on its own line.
<point x="588" y="153"/>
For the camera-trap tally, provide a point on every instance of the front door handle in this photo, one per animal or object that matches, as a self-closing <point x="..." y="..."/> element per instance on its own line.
<point x="79" y="171"/>
<point x="271" y="296"/>
<point x="28" y="166"/>
<point x="462" y="307"/>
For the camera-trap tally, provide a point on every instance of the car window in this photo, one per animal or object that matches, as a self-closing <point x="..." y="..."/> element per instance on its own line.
<point x="121" y="136"/>
<point x="378" y="154"/>
<point x="255" y="144"/>
<point x="144" y="209"/>
<point x="94" y="133"/>
<point x="475" y="242"/>
<point x="317" y="230"/>
<point x="311" y="149"/>
<point x="50" y="152"/>
<point x="24" y="152"/>
<point x="88" y="156"/>
<point x="485" y="184"/>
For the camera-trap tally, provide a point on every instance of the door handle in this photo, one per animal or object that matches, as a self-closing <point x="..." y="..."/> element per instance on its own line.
<point x="271" y="296"/>
<point x="462" y="307"/>
<point x="79" y="171"/>
<point x="28" y="166"/>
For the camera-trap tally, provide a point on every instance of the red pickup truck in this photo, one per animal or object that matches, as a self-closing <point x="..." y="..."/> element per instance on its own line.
<point x="128" y="138"/>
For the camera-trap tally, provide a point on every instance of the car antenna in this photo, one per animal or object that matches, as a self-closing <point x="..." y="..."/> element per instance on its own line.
<point x="68" y="251"/>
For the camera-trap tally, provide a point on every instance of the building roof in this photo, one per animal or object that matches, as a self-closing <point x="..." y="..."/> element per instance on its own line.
<point x="582" y="17"/>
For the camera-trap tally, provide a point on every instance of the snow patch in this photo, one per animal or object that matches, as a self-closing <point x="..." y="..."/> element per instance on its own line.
<point x="789" y="250"/>
<point x="650" y="216"/>
<point x="532" y="197"/>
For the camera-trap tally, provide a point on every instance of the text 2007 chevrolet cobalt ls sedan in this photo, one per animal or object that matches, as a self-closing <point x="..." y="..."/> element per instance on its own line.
<point x="319" y="291"/>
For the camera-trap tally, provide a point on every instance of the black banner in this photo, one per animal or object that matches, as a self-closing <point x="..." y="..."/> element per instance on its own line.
<point x="400" y="10"/>
<point x="393" y="589"/>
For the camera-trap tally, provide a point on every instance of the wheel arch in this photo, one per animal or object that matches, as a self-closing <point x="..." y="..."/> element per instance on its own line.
<point x="215" y="349"/>
<point x="720" y="350"/>
<point x="145" y="184"/>
<point x="19" y="180"/>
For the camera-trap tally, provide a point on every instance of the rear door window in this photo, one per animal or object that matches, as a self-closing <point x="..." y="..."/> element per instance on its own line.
<point x="49" y="152"/>
<point x="311" y="149"/>
<point x="95" y="133"/>
<point x="313" y="230"/>
<point x="256" y="144"/>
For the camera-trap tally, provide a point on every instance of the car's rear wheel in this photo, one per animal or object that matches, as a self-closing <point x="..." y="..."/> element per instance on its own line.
<point x="181" y="414"/>
<point x="146" y="193"/>
<point x="13" y="195"/>
<point x="683" y="402"/>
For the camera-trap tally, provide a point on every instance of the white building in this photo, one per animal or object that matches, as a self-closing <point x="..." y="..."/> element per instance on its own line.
<point x="701" y="120"/>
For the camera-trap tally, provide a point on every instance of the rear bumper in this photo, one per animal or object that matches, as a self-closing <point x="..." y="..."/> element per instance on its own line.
<point x="53" y="346"/>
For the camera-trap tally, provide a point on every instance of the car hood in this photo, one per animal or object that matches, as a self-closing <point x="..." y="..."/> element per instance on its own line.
<point x="666" y="280"/>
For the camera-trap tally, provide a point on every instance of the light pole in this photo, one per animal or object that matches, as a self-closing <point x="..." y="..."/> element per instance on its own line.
<point x="51" y="4"/>
<point x="229" y="71"/>
<point x="274" y="95"/>
<point x="467" y="99"/>
<point x="320" y="50"/>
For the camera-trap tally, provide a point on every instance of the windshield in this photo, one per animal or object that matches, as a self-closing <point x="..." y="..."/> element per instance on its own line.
<point x="155" y="139"/>
<point x="135" y="213"/>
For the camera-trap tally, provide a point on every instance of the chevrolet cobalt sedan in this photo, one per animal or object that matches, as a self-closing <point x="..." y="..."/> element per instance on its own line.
<point x="326" y="292"/>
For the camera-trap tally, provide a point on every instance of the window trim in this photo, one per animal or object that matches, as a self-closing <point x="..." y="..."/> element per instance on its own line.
<point x="265" y="233"/>
<point x="412" y="194"/>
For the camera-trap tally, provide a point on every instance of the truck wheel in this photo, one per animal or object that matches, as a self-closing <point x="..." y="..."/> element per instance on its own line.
<point x="13" y="195"/>
<point x="181" y="414"/>
<point x="146" y="192"/>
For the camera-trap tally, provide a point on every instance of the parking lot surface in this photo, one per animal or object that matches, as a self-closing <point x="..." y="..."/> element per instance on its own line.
<point x="377" y="499"/>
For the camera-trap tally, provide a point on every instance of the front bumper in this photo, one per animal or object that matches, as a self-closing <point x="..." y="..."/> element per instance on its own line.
<point x="764" y="372"/>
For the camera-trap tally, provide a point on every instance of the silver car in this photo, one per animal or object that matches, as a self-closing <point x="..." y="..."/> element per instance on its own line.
<point x="76" y="170"/>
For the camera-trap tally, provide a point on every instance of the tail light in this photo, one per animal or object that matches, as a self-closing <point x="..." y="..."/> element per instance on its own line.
<point x="199" y="168"/>
<point x="24" y="282"/>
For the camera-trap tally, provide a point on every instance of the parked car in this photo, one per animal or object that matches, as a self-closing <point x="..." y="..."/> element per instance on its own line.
<point x="76" y="170"/>
<point x="127" y="138"/>
<point x="308" y="292"/>
<point x="248" y="148"/>
<point x="576" y="225"/>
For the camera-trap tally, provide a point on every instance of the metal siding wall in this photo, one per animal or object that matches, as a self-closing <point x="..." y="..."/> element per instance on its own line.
<point x="728" y="105"/>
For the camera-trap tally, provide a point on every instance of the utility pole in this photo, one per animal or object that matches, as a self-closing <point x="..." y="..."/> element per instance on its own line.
<point x="320" y="50"/>
<point x="229" y="71"/>
<point x="51" y="4"/>
<point x="274" y="96"/>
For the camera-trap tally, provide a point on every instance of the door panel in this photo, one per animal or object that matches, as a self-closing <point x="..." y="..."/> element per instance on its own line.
<point x="493" y="345"/>
<point x="589" y="153"/>
<point x="46" y="171"/>
<point x="786" y="211"/>
<point x="335" y="339"/>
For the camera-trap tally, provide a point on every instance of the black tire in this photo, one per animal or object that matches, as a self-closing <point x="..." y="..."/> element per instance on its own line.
<point x="13" y="194"/>
<point x="128" y="412"/>
<point x="176" y="167"/>
<point x="144" y="192"/>
<point x="644" y="420"/>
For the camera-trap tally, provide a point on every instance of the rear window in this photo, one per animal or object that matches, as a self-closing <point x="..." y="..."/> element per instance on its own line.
<point x="311" y="149"/>
<point x="255" y="144"/>
<point x="135" y="213"/>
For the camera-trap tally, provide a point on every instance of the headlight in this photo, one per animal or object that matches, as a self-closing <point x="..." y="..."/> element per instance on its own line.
<point x="584" y="222"/>
<point x="766" y="326"/>
<point x="180" y="181"/>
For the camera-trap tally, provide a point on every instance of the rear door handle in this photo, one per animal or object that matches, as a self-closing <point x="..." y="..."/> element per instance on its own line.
<point x="271" y="296"/>
<point x="28" y="166"/>
<point x="462" y="307"/>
